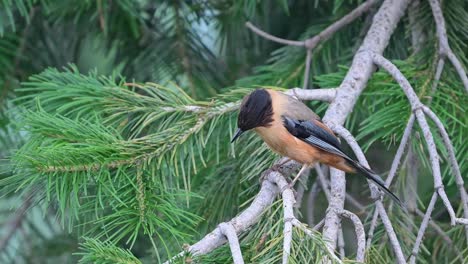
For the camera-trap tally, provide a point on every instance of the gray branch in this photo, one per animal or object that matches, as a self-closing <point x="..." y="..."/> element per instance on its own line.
<point x="228" y="230"/>
<point x="444" y="48"/>
<point x="422" y="228"/>
<point x="360" y="234"/>
<point x="312" y="42"/>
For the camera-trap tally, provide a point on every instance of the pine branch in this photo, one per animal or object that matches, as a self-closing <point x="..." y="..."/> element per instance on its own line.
<point x="95" y="251"/>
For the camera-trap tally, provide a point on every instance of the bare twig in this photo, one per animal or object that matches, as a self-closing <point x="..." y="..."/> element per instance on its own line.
<point x="314" y="191"/>
<point x="273" y="38"/>
<point x="360" y="234"/>
<point x="324" y="94"/>
<point x="312" y="42"/>
<point x="228" y="230"/>
<point x="15" y="222"/>
<point x="444" y="48"/>
<point x="333" y="28"/>
<point x="323" y="181"/>
<point x="441" y="233"/>
<point x="288" y="206"/>
<point x="419" y="109"/>
<point x="341" y="243"/>
<point x="417" y="28"/>
<point x="393" y="170"/>
<point x="438" y="73"/>
<point x="400" y="151"/>
<point x="422" y="228"/>
<point x="301" y="189"/>
<point x="307" y="69"/>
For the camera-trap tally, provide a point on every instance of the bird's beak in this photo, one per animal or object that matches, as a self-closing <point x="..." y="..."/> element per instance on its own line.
<point x="237" y="134"/>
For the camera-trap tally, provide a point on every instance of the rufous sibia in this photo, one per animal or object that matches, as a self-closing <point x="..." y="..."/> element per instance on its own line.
<point x="292" y="129"/>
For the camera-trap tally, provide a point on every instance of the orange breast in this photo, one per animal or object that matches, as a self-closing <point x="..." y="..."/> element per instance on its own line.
<point x="285" y="144"/>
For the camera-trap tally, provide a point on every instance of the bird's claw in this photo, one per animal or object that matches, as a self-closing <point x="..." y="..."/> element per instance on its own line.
<point x="275" y="167"/>
<point x="290" y="187"/>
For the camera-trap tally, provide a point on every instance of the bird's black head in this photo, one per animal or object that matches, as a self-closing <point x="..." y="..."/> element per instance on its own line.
<point x="256" y="110"/>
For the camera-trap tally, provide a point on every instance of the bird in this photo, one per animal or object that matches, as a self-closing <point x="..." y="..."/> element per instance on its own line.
<point x="293" y="130"/>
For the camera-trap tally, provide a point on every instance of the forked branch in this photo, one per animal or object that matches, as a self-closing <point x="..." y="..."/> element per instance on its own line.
<point x="445" y="52"/>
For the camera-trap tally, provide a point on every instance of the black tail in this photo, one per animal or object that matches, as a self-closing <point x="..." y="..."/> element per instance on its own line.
<point x="377" y="180"/>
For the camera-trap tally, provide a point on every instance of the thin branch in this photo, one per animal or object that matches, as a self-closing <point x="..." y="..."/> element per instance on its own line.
<point x="438" y="73"/>
<point x="323" y="94"/>
<point x="341" y="243"/>
<point x="312" y="42"/>
<point x="393" y="170"/>
<point x="441" y="233"/>
<point x="373" y="225"/>
<point x="228" y="230"/>
<point x="301" y="189"/>
<point x="390" y="232"/>
<point x="360" y="234"/>
<point x="265" y="35"/>
<point x="313" y="193"/>
<point x="15" y="222"/>
<point x="444" y="48"/>
<point x="307" y="69"/>
<point x="422" y="228"/>
<point x="417" y="28"/>
<point x="323" y="181"/>
<point x="401" y="150"/>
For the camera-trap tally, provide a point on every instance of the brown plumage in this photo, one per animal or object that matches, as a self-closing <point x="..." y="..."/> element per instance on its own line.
<point x="293" y="130"/>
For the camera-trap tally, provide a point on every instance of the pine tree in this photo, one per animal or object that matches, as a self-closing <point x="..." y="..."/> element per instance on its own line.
<point x="116" y="116"/>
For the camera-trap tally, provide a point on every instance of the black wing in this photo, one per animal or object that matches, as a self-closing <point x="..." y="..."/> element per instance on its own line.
<point x="315" y="135"/>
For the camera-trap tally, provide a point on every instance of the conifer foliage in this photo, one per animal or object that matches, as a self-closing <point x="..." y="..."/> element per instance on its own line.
<point x="116" y="117"/>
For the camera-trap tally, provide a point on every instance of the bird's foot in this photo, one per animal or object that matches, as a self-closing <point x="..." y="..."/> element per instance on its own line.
<point x="289" y="187"/>
<point x="275" y="167"/>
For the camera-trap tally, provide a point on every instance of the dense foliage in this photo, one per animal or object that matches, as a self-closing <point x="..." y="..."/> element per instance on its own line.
<point x="115" y="119"/>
